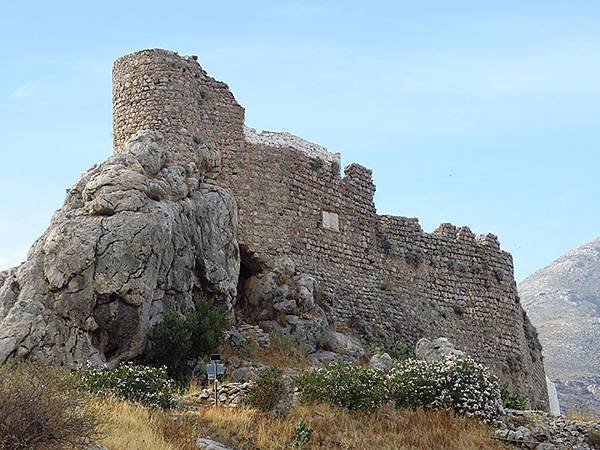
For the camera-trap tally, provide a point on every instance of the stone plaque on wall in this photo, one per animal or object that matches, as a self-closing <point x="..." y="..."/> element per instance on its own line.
<point x="331" y="221"/>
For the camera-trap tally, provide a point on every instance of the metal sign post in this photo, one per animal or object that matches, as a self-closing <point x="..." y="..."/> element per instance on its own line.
<point x="213" y="370"/>
<point x="216" y="389"/>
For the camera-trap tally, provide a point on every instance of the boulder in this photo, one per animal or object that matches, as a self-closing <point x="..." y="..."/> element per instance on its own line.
<point x="343" y="344"/>
<point x="209" y="444"/>
<point x="137" y="236"/>
<point x="436" y="349"/>
<point x="323" y="357"/>
<point x="381" y="361"/>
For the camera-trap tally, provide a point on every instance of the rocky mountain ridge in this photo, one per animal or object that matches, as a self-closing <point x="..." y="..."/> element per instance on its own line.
<point x="563" y="302"/>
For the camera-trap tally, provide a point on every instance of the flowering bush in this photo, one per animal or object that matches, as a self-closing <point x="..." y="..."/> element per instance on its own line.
<point x="344" y="385"/>
<point x="456" y="383"/>
<point x="149" y="386"/>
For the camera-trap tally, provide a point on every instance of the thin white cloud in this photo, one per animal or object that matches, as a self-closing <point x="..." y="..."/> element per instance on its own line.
<point x="25" y="90"/>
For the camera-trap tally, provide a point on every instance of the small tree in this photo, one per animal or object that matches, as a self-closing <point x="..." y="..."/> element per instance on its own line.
<point x="171" y="345"/>
<point x="209" y="323"/>
<point x="177" y="341"/>
<point x="268" y="390"/>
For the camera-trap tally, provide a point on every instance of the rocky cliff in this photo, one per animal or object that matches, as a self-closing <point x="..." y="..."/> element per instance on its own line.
<point x="137" y="235"/>
<point x="563" y="301"/>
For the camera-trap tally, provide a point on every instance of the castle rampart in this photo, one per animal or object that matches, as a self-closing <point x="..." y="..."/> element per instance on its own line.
<point x="382" y="276"/>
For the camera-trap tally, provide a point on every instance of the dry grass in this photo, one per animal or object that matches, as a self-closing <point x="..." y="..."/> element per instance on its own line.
<point x="40" y="407"/>
<point x="133" y="427"/>
<point x="339" y="429"/>
<point x="583" y="413"/>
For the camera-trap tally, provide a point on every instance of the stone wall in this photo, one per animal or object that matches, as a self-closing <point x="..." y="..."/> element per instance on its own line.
<point x="381" y="275"/>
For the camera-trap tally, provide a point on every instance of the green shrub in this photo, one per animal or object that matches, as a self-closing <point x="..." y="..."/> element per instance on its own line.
<point x="345" y="385"/>
<point x="41" y="408"/>
<point x="302" y="435"/>
<point x="149" y="386"/>
<point x="401" y="351"/>
<point x="512" y="399"/>
<point x="593" y="438"/>
<point x="386" y="285"/>
<point x="177" y="342"/>
<point x="268" y="390"/>
<point x="458" y="384"/>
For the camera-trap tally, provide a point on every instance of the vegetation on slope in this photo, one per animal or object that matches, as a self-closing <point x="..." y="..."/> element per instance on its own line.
<point x="133" y="427"/>
<point x="177" y="341"/>
<point x="73" y="418"/>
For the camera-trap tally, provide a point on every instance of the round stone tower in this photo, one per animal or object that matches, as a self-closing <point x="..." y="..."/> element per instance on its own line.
<point x="162" y="91"/>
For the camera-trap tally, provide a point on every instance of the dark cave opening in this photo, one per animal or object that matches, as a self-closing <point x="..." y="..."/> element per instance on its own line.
<point x="250" y="265"/>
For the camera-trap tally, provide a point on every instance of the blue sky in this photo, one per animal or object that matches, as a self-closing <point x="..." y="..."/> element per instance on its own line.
<point x="477" y="113"/>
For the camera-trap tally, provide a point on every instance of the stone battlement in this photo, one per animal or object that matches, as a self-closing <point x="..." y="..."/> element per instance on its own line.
<point x="382" y="275"/>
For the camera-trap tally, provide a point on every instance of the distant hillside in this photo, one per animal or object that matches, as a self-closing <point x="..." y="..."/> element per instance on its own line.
<point x="563" y="302"/>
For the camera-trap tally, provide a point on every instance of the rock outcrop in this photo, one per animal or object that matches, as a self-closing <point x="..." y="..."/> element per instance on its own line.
<point x="541" y="431"/>
<point x="381" y="361"/>
<point x="138" y="235"/>
<point x="286" y="301"/>
<point x="435" y="350"/>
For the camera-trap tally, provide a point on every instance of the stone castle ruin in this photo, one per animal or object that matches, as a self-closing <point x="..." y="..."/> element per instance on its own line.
<point x="310" y="239"/>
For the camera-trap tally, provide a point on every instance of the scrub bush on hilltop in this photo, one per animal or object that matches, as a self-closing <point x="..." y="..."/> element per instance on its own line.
<point x="41" y="408"/>
<point x="178" y="341"/>
<point x="457" y="384"/>
<point x="345" y="385"/>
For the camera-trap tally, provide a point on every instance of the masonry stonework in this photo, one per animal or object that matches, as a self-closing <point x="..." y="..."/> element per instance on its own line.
<point x="381" y="275"/>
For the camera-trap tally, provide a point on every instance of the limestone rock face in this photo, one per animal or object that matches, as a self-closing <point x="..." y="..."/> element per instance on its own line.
<point x="286" y="301"/>
<point x="344" y="344"/>
<point x="436" y="349"/>
<point x="137" y="236"/>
